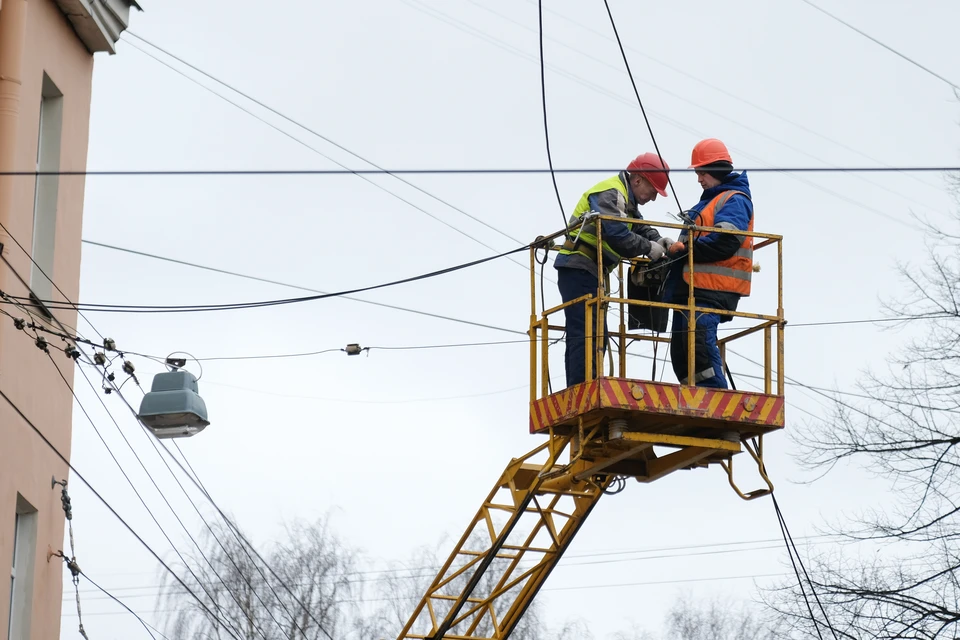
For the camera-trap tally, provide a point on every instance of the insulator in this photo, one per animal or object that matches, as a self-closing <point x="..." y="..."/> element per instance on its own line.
<point x="109" y="344"/>
<point x="128" y="367"/>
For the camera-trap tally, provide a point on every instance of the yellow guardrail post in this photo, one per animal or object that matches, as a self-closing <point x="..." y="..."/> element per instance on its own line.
<point x="692" y="317"/>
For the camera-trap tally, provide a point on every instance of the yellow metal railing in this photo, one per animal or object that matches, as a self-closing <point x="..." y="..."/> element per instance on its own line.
<point x="542" y="330"/>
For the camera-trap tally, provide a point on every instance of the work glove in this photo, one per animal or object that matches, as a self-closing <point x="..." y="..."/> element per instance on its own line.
<point x="655" y="252"/>
<point x="665" y="242"/>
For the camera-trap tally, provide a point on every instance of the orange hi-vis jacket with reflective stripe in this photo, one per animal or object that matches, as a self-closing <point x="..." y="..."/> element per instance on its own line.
<point x="734" y="273"/>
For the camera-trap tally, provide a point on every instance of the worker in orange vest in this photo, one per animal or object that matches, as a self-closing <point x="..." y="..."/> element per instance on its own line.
<point x="723" y="263"/>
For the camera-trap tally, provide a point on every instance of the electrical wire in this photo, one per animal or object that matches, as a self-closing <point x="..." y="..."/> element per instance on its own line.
<point x="230" y="629"/>
<point x="653" y="138"/>
<point x="788" y="541"/>
<point x="109" y="507"/>
<point x="765" y="542"/>
<point x="384" y="305"/>
<point x="49" y="279"/>
<point x="129" y="481"/>
<point x="244" y="543"/>
<point x="195" y="479"/>
<point x="597" y="88"/>
<point x="730" y="94"/>
<point x="318" y="135"/>
<point x="885" y="46"/>
<point x="346" y="169"/>
<point x="701" y="104"/>
<point x="822" y="391"/>
<point x="210" y="528"/>
<point x="196" y="544"/>
<point x="546" y="125"/>
<point x="119" y="393"/>
<point x="149" y="628"/>
<point x="463" y="171"/>
<point x="284" y="301"/>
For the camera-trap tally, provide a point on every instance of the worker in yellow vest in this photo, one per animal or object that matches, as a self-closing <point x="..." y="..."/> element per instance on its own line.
<point x="723" y="263"/>
<point x="577" y="273"/>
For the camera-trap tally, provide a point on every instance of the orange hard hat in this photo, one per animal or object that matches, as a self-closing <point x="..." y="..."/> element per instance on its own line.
<point x="653" y="168"/>
<point x="709" y="151"/>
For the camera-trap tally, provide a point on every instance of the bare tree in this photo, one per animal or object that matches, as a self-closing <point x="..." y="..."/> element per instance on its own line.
<point x="907" y="431"/>
<point x="714" y="618"/>
<point x="307" y="588"/>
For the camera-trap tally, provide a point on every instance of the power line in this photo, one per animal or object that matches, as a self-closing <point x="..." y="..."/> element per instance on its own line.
<point x="296" y="286"/>
<point x="229" y="629"/>
<point x="293" y="620"/>
<point x="195" y="479"/>
<point x="430" y="571"/>
<point x="467" y="28"/>
<point x="345" y="168"/>
<point x="677" y="70"/>
<point x="699" y="104"/>
<point x="792" y="550"/>
<point x="546" y="125"/>
<point x="110" y="508"/>
<point x="272" y="303"/>
<point x="633" y="83"/>
<point x="149" y="628"/>
<point x="885" y="46"/>
<point x="463" y="171"/>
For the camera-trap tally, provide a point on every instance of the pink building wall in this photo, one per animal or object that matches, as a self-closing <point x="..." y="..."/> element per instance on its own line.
<point x="51" y="46"/>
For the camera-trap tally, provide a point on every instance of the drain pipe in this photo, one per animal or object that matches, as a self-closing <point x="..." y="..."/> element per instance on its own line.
<point x="13" y="27"/>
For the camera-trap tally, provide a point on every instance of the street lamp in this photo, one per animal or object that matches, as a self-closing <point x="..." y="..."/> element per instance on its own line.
<point x="173" y="408"/>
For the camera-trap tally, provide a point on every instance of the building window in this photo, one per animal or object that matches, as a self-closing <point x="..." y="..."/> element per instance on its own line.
<point x="21" y="570"/>
<point x="46" y="189"/>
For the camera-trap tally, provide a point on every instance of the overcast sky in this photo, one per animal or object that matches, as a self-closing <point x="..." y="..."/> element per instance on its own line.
<point x="431" y="84"/>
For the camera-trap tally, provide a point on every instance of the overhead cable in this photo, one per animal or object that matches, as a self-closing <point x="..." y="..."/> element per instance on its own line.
<point x="150" y="629"/>
<point x="464" y="171"/>
<point x="109" y="507"/>
<point x="346" y="169"/>
<point x="272" y="303"/>
<point x="633" y="83"/>
<point x="884" y="45"/>
<point x="546" y="122"/>
<point x="229" y="628"/>
<point x="384" y="305"/>
<point x="326" y="139"/>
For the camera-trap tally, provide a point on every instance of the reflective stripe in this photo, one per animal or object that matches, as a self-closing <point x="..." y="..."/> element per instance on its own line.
<point x="723" y="271"/>
<point x="586" y="236"/>
<point x="732" y="274"/>
<point x="701" y="376"/>
<point x="729" y="226"/>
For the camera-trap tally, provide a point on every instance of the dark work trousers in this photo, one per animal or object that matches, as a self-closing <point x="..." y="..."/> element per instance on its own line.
<point x="708" y="366"/>
<point x="574" y="283"/>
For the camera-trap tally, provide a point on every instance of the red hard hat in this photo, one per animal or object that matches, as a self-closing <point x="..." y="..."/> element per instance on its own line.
<point x="709" y="151"/>
<point x="653" y="168"/>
